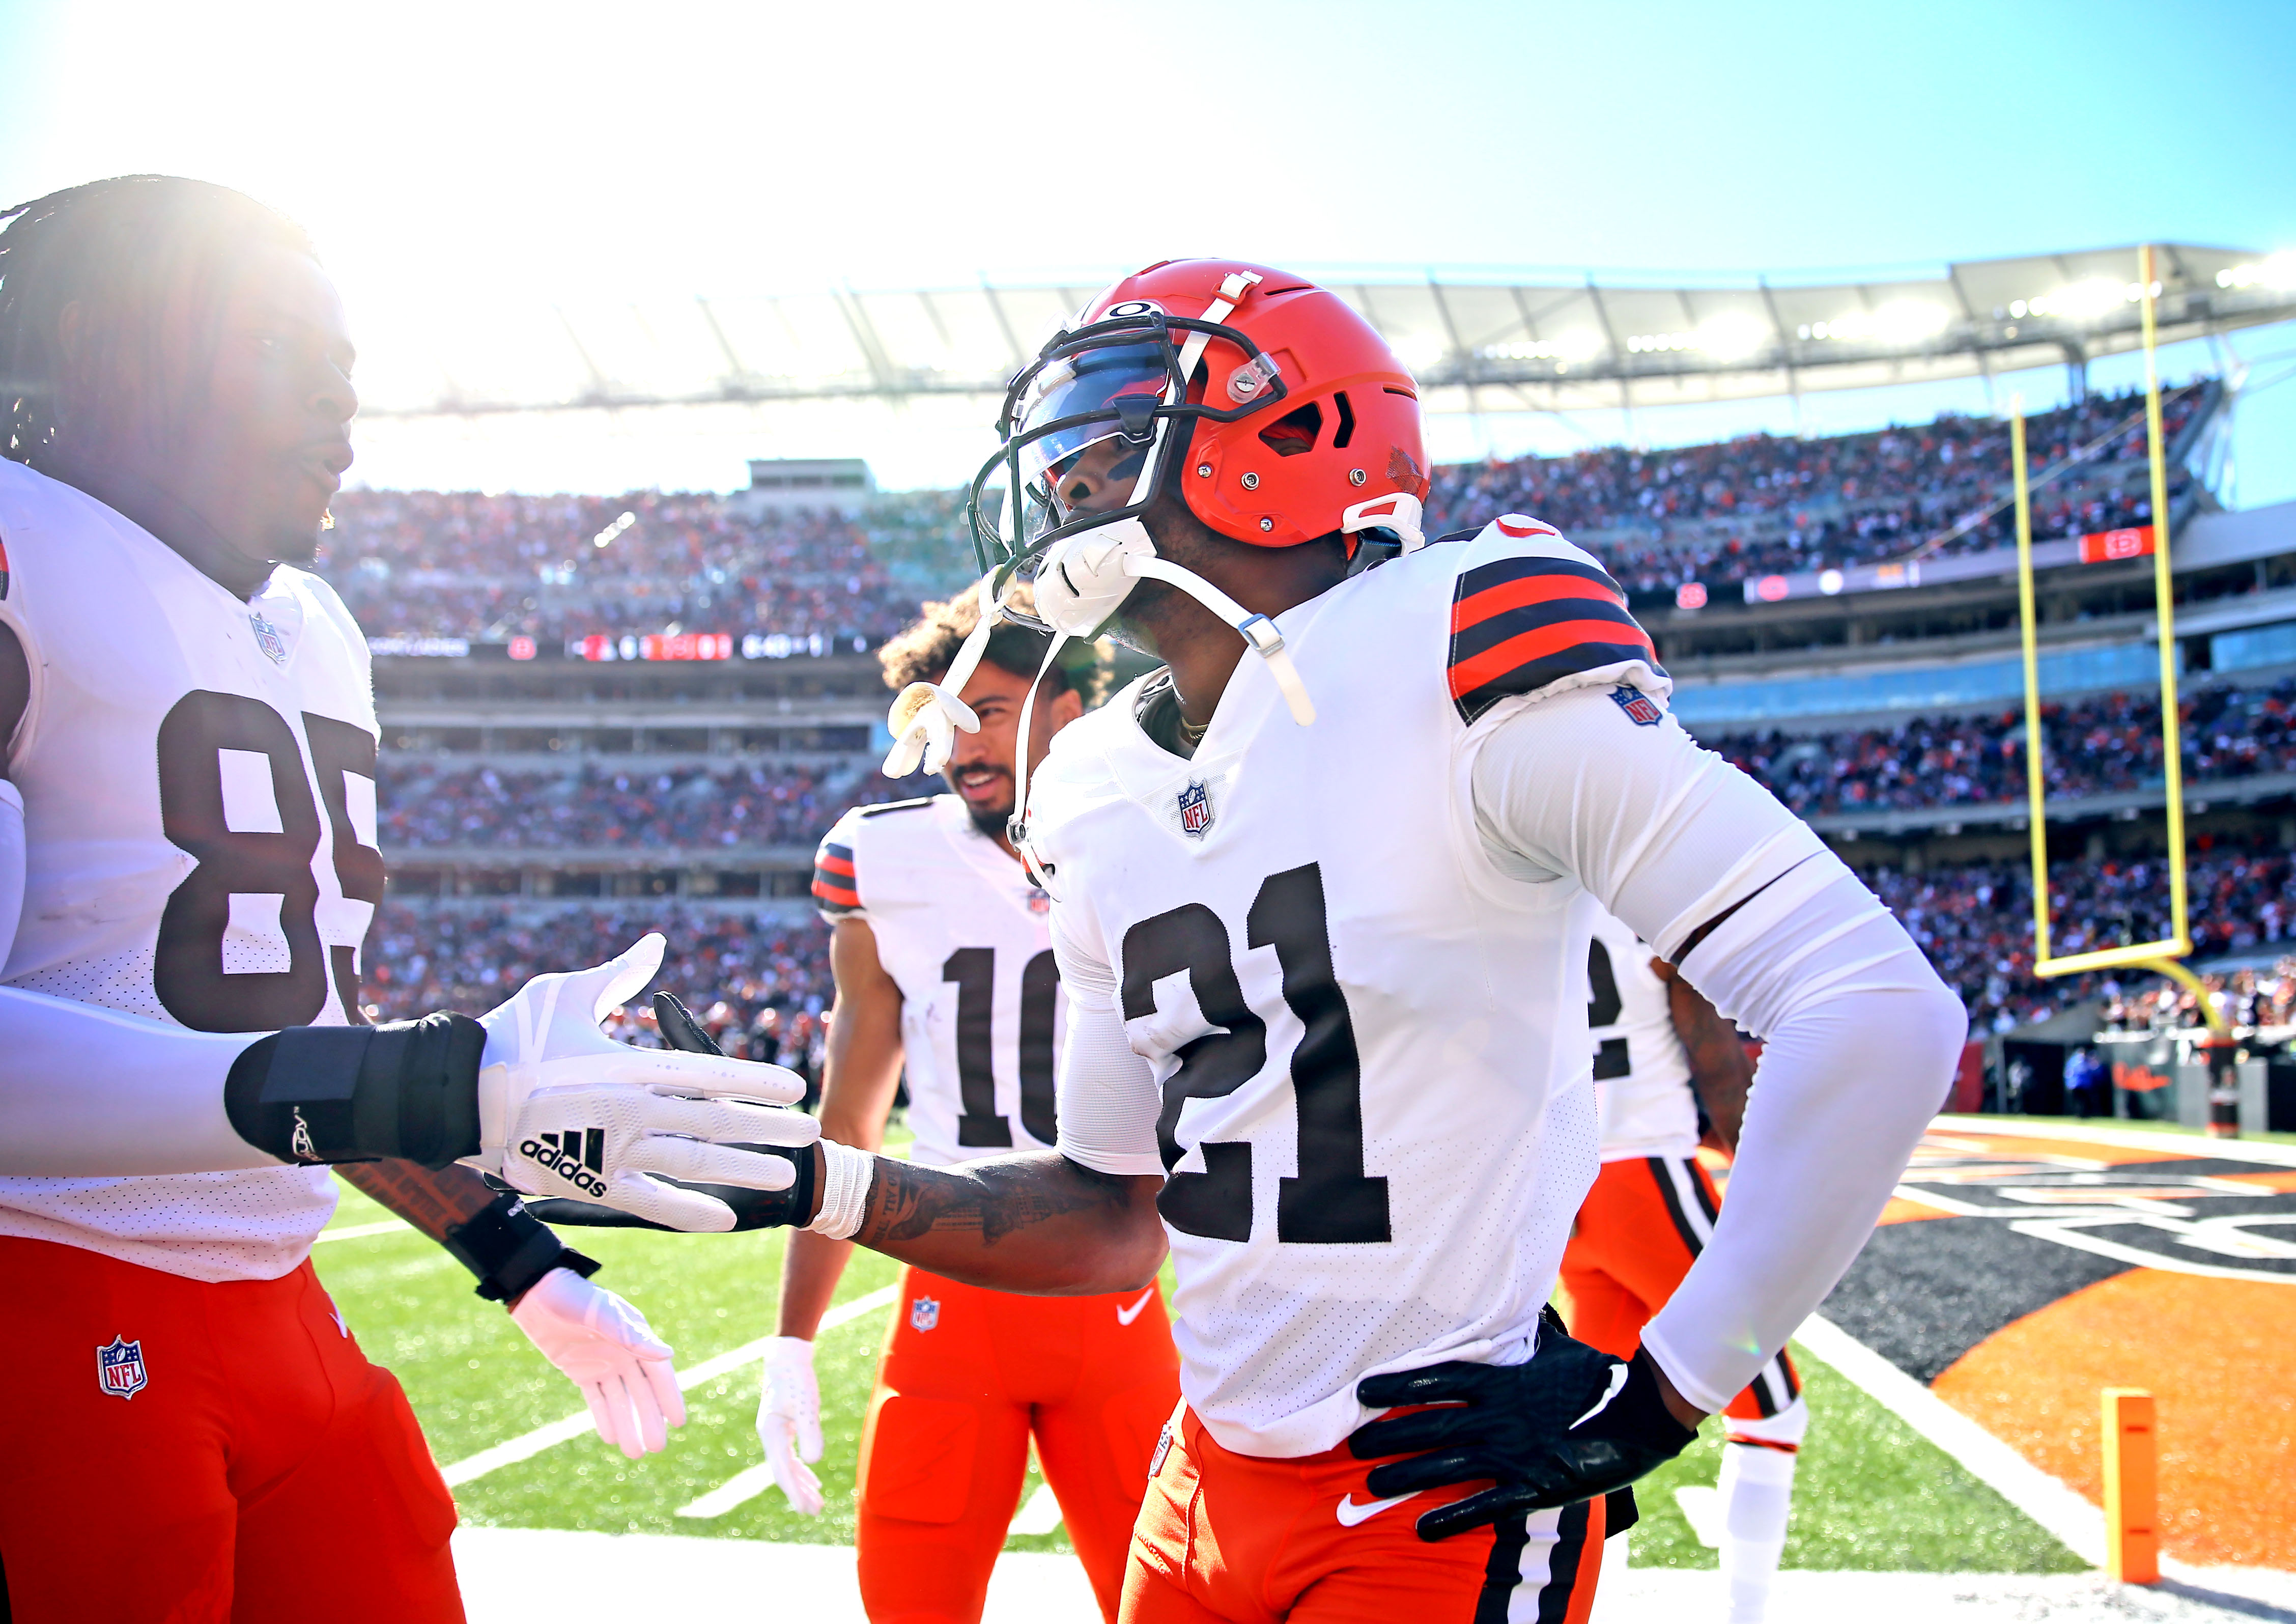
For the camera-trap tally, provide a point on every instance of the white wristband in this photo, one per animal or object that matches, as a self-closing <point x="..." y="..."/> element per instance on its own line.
<point x="845" y="1177"/>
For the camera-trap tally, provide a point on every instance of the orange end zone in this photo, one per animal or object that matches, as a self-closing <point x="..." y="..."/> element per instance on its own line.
<point x="2219" y="1357"/>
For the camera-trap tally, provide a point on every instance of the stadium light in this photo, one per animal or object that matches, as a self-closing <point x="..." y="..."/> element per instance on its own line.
<point x="2277" y="272"/>
<point x="1732" y="337"/>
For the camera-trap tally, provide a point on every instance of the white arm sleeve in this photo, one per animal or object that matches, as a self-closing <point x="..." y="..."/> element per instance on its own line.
<point x="1108" y="1098"/>
<point x="11" y="867"/>
<point x="1861" y="1034"/>
<point x="90" y="1093"/>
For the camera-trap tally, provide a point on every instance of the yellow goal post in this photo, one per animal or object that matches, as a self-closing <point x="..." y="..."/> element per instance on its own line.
<point x="2158" y="956"/>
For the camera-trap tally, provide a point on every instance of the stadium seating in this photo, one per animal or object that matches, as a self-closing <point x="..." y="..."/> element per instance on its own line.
<point x="595" y="806"/>
<point x="1718" y="514"/>
<point x="462" y="564"/>
<point x="2095" y="745"/>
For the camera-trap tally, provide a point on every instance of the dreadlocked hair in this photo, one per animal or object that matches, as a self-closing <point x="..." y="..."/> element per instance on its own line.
<point x="925" y="652"/>
<point x="148" y="260"/>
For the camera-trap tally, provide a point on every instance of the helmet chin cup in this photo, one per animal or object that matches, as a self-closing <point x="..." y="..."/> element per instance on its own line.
<point x="924" y="722"/>
<point x="1082" y="581"/>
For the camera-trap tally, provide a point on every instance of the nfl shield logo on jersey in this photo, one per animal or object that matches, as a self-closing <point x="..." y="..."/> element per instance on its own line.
<point x="267" y="638"/>
<point x="120" y="1368"/>
<point x="924" y="1314"/>
<point x="1195" y="812"/>
<point x="1641" y="710"/>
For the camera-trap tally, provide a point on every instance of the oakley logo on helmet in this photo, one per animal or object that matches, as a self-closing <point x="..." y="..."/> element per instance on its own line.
<point x="577" y="1156"/>
<point x="1135" y="307"/>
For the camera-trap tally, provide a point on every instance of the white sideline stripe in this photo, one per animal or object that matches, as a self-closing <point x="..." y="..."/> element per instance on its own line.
<point x="359" y="1232"/>
<point x="738" y="1490"/>
<point x="527" y="1445"/>
<point x="2076" y="1524"/>
<point x="2198" y="1146"/>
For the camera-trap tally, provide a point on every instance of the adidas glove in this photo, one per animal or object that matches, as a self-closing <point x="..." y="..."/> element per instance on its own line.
<point x="566" y="1112"/>
<point x="752" y="1209"/>
<point x="1568" y="1425"/>
<point x="532" y="1092"/>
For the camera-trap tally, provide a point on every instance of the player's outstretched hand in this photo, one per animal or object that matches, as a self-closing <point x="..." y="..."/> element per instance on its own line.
<point x="1568" y="1425"/>
<point x="565" y="1111"/>
<point x="788" y="1421"/>
<point x="605" y="1348"/>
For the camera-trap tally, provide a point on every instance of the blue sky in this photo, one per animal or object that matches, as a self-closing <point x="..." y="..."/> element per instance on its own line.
<point x="572" y="150"/>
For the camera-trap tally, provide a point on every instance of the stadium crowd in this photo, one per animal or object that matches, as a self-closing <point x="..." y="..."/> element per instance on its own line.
<point x="462" y="564"/>
<point x="465" y="564"/>
<point x="730" y="969"/>
<point x="1975" y="921"/>
<point x="2092" y="746"/>
<point x="595" y="806"/>
<point x="1723" y="511"/>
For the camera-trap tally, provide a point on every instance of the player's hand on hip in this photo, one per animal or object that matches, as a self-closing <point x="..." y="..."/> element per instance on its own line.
<point x="604" y="1346"/>
<point x="565" y="1111"/>
<point x="788" y="1421"/>
<point x="1569" y="1425"/>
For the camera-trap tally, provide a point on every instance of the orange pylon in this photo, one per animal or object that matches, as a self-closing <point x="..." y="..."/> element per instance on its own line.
<point x="2132" y="1487"/>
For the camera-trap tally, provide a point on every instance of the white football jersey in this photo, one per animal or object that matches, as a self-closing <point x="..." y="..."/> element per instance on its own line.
<point x="1642" y="1072"/>
<point x="199" y="776"/>
<point x="964" y="932"/>
<point x="1370" y="1039"/>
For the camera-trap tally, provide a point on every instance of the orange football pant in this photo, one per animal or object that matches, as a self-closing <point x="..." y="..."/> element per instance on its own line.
<point x="1242" y="1540"/>
<point x="968" y="1377"/>
<point x="1639" y="1230"/>
<point x="248" y="1465"/>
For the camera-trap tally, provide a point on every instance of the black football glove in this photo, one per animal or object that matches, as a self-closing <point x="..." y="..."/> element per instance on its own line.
<point x="1569" y="1425"/>
<point x="752" y="1209"/>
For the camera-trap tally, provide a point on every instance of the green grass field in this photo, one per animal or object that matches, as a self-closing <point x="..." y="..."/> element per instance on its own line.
<point x="1873" y="1494"/>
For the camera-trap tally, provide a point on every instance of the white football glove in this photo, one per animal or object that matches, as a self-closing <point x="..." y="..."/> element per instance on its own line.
<point x="605" y="1348"/>
<point x="564" y="1110"/>
<point x="788" y="1421"/>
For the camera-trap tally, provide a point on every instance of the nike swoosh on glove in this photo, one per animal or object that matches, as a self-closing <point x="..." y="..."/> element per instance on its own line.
<point x="788" y="1421"/>
<point x="565" y="1111"/>
<point x="605" y="1348"/>
<point x="1570" y="1425"/>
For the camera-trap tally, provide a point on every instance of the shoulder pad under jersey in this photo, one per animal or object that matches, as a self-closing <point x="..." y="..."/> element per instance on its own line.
<point x="1529" y="611"/>
<point x="882" y="807"/>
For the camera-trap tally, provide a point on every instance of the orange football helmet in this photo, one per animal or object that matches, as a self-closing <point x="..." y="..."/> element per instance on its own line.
<point x="1264" y="402"/>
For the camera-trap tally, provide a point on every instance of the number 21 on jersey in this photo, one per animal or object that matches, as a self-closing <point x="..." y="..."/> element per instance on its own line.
<point x="1331" y="1202"/>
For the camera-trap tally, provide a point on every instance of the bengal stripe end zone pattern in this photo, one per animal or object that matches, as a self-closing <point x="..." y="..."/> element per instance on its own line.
<point x="1518" y="624"/>
<point x="834" y="883"/>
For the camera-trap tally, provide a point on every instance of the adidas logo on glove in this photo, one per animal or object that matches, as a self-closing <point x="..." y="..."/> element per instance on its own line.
<point x="577" y="1156"/>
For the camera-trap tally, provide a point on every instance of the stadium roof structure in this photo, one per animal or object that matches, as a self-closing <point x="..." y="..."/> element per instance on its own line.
<point x="1477" y="344"/>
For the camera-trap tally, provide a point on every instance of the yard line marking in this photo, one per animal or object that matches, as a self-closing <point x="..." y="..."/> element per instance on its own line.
<point x="527" y="1445"/>
<point x="2062" y="1512"/>
<point x="737" y="1491"/>
<point x="359" y="1232"/>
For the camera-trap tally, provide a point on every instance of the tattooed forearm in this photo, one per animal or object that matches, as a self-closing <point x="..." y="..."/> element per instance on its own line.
<point x="429" y="1200"/>
<point x="1037" y="1223"/>
<point x="992" y="1199"/>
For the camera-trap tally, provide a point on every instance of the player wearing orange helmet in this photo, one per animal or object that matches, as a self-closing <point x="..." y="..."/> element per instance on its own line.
<point x="1322" y="916"/>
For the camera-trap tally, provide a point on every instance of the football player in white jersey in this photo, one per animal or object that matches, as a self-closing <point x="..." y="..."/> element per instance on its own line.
<point x="942" y="952"/>
<point x="1322" y="890"/>
<point x="1662" y="1054"/>
<point x="187" y="869"/>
